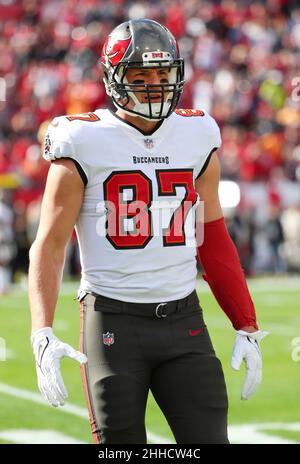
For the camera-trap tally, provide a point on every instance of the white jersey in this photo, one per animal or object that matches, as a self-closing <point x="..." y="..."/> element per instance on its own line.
<point x="136" y="227"/>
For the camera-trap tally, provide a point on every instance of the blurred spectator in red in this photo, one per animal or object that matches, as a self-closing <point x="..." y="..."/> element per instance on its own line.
<point x="241" y="62"/>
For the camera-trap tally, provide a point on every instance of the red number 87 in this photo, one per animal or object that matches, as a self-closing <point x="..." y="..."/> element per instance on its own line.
<point x="128" y="197"/>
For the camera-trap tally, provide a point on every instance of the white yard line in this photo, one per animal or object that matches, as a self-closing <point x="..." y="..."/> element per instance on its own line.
<point x="158" y="439"/>
<point x="37" y="437"/>
<point x="37" y="398"/>
<point x="242" y="433"/>
<point x="254" y="433"/>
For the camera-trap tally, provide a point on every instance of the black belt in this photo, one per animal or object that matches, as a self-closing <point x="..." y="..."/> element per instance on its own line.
<point x="104" y="304"/>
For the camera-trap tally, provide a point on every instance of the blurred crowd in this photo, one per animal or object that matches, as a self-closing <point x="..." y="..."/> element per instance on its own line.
<point x="242" y="64"/>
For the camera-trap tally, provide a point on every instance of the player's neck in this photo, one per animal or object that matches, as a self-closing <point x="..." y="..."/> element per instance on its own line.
<point x="140" y="123"/>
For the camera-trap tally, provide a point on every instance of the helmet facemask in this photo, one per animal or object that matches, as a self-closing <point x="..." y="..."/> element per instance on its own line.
<point x="143" y="44"/>
<point x="125" y="95"/>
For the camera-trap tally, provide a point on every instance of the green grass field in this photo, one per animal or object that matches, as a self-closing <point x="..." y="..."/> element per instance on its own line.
<point x="271" y="416"/>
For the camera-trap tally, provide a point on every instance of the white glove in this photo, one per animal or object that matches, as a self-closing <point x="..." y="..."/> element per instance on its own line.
<point x="48" y="350"/>
<point x="246" y="347"/>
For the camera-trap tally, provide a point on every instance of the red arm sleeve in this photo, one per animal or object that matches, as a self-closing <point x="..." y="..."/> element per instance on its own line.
<point x="224" y="274"/>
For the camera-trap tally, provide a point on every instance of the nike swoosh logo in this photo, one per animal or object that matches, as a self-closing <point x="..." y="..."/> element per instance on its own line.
<point x="254" y="343"/>
<point x="192" y="333"/>
<point x="42" y="349"/>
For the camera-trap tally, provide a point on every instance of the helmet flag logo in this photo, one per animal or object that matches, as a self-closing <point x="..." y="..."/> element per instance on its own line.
<point x="114" y="50"/>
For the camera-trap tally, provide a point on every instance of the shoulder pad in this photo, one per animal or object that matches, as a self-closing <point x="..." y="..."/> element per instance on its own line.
<point x="57" y="142"/>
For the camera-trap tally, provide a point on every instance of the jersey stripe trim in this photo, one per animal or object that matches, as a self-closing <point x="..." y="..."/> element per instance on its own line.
<point x="203" y="169"/>
<point x="78" y="167"/>
<point x="84" y="379"/>
<point x="206" y="162"/>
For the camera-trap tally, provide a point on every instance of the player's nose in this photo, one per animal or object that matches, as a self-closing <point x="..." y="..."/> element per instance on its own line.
<point x="155" y="77"/>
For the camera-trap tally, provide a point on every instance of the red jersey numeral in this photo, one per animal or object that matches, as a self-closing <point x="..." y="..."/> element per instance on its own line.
<point x="189" y="112"/>
<point x="167" y="183"/>
<point x="128" y="197"/>
<point x="90" y="117"/>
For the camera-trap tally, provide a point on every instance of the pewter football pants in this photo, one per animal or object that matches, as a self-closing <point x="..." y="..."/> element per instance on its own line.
<point x="171" y="355"/>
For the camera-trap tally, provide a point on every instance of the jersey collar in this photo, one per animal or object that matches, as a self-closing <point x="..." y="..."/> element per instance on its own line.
<point x="145" y="134"/>
<point x="149" y="141"/>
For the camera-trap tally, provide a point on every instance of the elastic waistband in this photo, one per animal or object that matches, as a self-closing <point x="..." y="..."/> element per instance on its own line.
<point x="160" y="310"/>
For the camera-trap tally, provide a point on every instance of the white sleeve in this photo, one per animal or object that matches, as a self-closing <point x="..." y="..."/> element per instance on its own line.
<point x="214" y="134"/>
<point x="58" y="144"/>
<point x="212" y="142"/>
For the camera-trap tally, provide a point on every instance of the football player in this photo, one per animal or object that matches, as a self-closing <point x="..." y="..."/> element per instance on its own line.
<point x="131" y="181"/>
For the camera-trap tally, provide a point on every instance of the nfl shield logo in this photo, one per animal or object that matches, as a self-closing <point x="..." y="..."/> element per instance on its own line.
<point x="108" y="339"/>
<point x="149" y="143"/>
